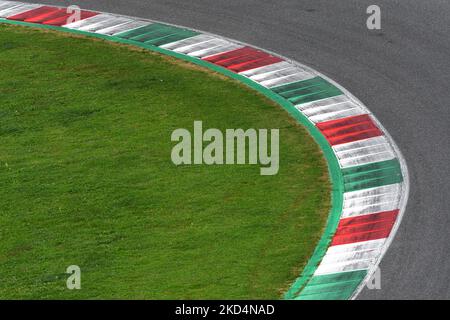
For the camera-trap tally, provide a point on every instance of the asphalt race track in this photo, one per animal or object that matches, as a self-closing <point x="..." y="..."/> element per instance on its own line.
<point x="401" y="73"/>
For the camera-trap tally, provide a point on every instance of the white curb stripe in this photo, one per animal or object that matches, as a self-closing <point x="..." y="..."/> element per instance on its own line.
<point x="360" y="144"/>
<point x="372" y="200"/>
<point x="389" y="189"/>
<point x="103" y="21"/>
<point x="363" y="152"/>
<point x="125" y="27"/>
<point x="350" y="257"/>
<point x="356" y="247"/>
<point x="87" y="22"/>
<point x="209" y="44"/>
<point x="12" y="11"/>
<point x="280" y="78"/>
<point x="91" y="22"/>
<point x="201" y="38"/>
<point x="330" y="259"/>
<point x="8" y="4"/>
<point x="274" y="75"/>
<point x="375" y="154"/>
<point x="278" y="75"/>
<point x="261" y="71"/>
<point x="330" y="109"/>
<point x="375" y="208"/>
<point x="343" y="267"/>
<point x="215" y="50"/>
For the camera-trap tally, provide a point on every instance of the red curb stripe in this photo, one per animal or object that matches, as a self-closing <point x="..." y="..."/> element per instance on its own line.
<point x="364" y="228"/>
<point x="255" y="64"/>
<point x="349" y="129"/>
<point x="30" y="13"/>
<point x="243" y="59"/>
<point x="49" y="15"/>
<point x="62" y="20"/>
<point x="230" y="54"/>
<point x="367" y="218"/>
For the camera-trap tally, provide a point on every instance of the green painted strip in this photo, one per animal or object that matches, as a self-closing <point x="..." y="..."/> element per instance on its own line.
<point x="307" y="90"/>
<point x="372" y="175"/>
<point x="158" y="34"/>
<point x="338" y="286"/>
<point x="337" y="295"/>
<point x="330" y="287"/>
<point x="333" y="164"/>
<point x="338" y="277"/>
<point x="135" y="32"/>
<point x="184" y="34"/>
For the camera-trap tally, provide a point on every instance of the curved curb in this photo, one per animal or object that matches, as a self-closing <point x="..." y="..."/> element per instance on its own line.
<point x="369" y="176"/>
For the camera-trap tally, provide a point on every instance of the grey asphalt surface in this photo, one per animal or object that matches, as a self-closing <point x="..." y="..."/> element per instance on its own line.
<point x="401" y="72"/>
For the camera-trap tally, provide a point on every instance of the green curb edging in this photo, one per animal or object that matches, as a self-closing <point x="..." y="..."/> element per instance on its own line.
<point x="333" y="165"/>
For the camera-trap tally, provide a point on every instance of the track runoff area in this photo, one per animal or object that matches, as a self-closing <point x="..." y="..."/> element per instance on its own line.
<point x="371" y="181"/>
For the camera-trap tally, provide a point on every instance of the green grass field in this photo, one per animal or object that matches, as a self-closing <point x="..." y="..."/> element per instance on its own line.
<point x="87" y="179"/>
